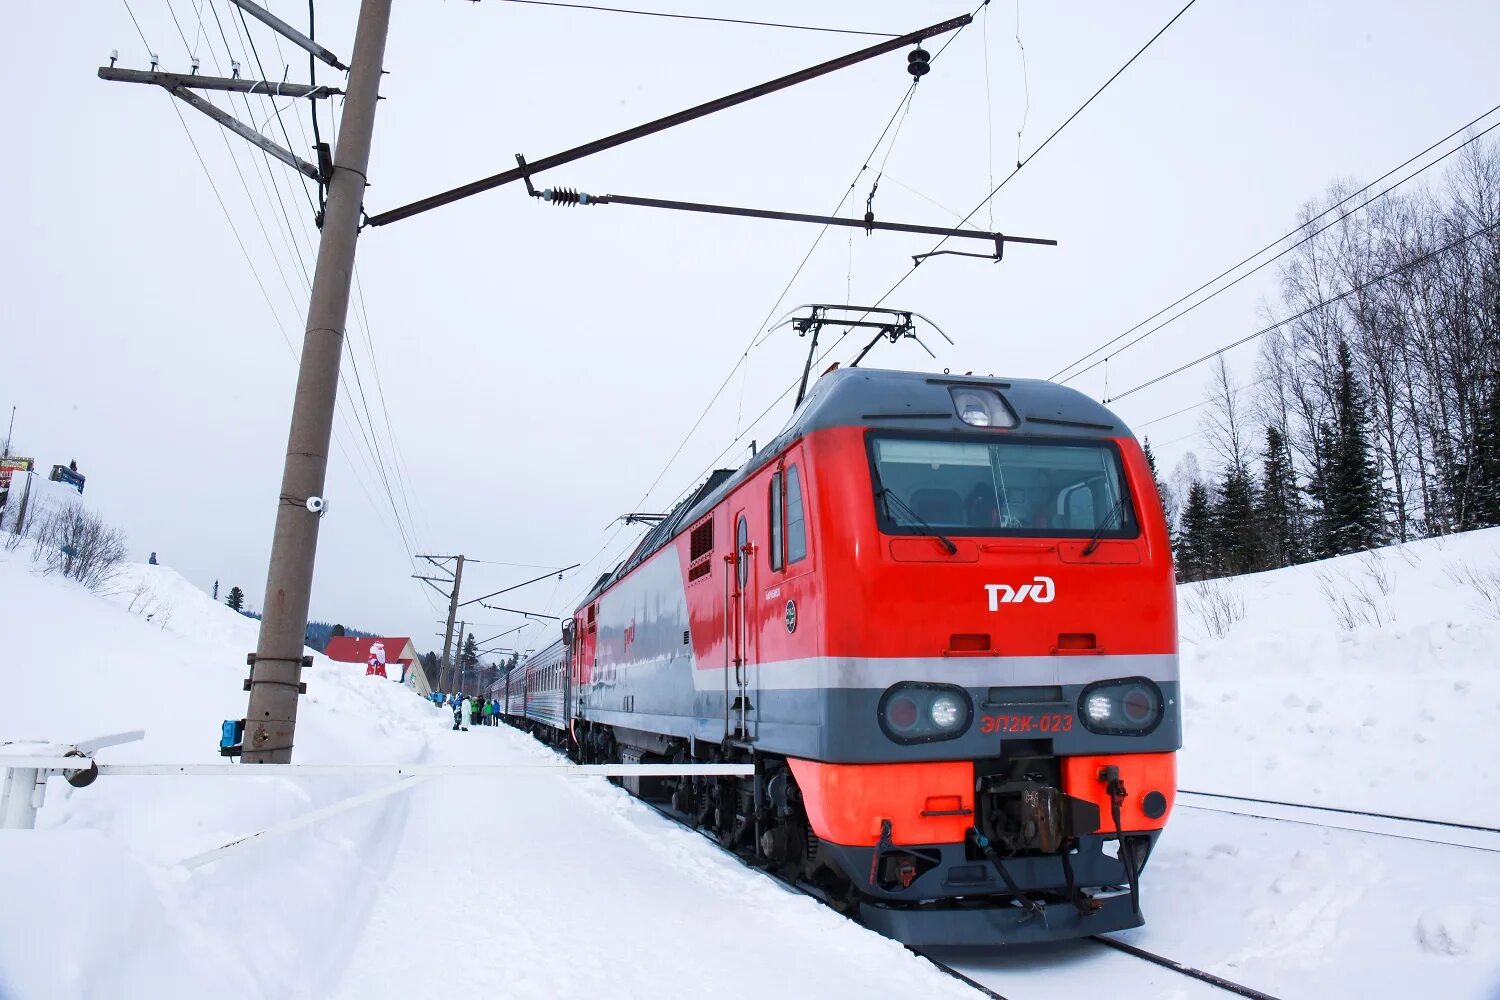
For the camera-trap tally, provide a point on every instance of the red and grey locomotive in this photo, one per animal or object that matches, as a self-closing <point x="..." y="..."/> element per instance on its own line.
<point x="937" y="614"/>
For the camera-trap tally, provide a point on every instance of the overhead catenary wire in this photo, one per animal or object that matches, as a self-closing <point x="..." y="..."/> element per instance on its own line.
<point x="1019" y="166"/>
<point x="367" y="426"/>
<point x="902" y="105"/>
<point x="1307" y="237"/>
<point x="288" y="235"/>
<point x="1299" y="314"/>
<point x="701" y="17"/>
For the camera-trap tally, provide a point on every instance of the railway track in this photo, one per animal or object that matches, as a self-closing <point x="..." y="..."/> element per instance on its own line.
<point x="1465" y="836"/>
<point x="1210" y="979"/>
<point x="986" y="978"/>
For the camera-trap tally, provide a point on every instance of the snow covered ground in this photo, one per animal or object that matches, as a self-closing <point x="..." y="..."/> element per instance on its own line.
<point x="559" y="888"/>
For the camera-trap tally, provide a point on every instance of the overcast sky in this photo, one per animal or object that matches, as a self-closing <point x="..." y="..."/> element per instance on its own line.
<point x="539" y="365"/>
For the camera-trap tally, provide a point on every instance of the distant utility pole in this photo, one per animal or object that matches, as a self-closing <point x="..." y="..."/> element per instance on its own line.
<point x="456" y="580"/>
<point x="8" y="431"/>
<point x="458" y="663"/>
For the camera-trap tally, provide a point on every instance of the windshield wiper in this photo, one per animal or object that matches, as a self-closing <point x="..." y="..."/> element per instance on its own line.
<point x="886" y="494"/>
<point x="1103" y="526"/>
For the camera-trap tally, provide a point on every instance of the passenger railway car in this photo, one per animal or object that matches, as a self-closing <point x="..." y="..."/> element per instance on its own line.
<point x="937" y="614"/>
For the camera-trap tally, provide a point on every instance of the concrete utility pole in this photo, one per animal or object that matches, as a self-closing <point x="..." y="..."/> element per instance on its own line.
<point x="458" y="661"/>
<point x="276" y="671"/>
<point x="456" y="580"/>
<point x="458" y="577"/>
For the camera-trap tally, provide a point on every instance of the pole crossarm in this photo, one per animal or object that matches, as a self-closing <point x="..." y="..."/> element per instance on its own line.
<point x="235" y="84"/>
<point x="661" y="124"/>
<point x="244" y="131"/>
<point x="518" y="611"/>
<point x="297" y="38"/>
<point x="566" y="197"/>
<point x="428" y="580"/>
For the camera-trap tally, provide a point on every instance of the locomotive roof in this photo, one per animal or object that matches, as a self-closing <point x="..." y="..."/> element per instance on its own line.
<point x="898" y="400"/>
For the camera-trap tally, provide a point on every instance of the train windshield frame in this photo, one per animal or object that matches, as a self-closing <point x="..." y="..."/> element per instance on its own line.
<point x="1009" y="486"/>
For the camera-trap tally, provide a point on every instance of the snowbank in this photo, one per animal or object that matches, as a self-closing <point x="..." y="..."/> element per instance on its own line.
<point x="1369" y="681"/>
<point x="481" y="888"/>
<point x="428" y="893"/>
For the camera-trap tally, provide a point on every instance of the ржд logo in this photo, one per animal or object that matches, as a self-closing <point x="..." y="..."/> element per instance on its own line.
<point x="1041" y="591"/>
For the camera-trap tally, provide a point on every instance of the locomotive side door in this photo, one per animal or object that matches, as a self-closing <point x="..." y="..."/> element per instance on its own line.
<point x="743" y="618"/>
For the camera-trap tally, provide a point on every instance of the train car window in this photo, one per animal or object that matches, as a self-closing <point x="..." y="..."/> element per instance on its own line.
<point x="700" y="550"/>
<point x="741" y="561"/>
<point x="774" y="549"/>
<point x="796" y="520"/>
<point x="1018" y="487"/>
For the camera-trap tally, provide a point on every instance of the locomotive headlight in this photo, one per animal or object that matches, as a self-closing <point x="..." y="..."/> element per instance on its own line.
<point x="1129" y="707"/>
<point x="914" y="712"/>
<point x="981" y="406"/>
<point x="946" y="711"/>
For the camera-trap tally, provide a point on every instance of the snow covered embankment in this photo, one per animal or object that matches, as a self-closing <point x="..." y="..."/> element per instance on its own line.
<point x="91" y="903"/>
<point x="461" y="887"/>
<point x="1369" y="681"/>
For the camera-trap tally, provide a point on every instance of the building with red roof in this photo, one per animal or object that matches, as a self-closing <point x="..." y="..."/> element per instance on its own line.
<point x="397" y="652"/>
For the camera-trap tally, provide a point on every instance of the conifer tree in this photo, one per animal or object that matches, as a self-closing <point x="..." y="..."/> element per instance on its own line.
<point x="1163" y="492"/>
<point x="1479" y="478"/>
<point x="1280" y="514"/>
<point x="1233" y="533"/>
<point x="1351" y="518"/>
<point x="236" y="599"/>
<point x="1195" y="536"/>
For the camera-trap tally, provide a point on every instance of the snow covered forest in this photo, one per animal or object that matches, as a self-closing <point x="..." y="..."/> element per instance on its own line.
<point x="1373" y="415"/>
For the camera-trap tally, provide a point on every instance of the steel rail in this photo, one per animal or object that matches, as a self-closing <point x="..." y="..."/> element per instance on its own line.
<point x="1186" y="970"/>
<point x="1347" y="812"/>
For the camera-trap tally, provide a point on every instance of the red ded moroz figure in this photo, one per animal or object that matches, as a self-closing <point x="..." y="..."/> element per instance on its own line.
<point x="376" y="665"/>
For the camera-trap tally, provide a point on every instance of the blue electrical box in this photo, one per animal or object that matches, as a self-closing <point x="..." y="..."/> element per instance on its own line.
<point x="232" y="734"/>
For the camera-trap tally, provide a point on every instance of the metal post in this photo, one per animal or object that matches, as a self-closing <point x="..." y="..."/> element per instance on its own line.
<point x="21" y="794"/>
<point x="458" y="576"/>
<point x="458" y="661"/>
<point x="271" y="718"/>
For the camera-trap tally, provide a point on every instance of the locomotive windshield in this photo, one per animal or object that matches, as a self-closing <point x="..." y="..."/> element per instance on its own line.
<point x="1019" y="486"/>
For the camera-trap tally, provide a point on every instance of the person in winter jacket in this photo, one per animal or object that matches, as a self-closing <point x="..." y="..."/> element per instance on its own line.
<point x="466" y="712"/>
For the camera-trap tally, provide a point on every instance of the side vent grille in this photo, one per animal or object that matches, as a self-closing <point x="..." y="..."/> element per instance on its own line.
<point x="700" y="550"/>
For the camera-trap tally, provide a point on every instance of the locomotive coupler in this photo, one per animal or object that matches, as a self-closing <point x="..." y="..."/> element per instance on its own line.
<point x="1030" y="816"/>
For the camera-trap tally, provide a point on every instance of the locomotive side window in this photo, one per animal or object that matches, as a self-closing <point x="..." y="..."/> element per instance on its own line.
<point x="796" y="521"/>
<point x="1018" y="487"/>
<point x="741" y="561"/>
<point x="774" y="549"/>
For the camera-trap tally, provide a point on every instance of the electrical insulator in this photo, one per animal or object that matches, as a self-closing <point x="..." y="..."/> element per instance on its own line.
<point x="566" y="196"/>
<point x="918" y="63"/>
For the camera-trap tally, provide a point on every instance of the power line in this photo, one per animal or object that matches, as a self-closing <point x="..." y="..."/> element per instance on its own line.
<point x="1355" y="289"/>
<point x="1022" y="163"/>
<point x="1306" y="239"/>
<point x="289" y="236"/>
<point x="1057" y="131"/>
<point x="702" y="17"/>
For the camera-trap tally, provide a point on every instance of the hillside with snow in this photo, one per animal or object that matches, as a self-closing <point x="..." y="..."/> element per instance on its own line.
<point x="1369" y="682"/>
